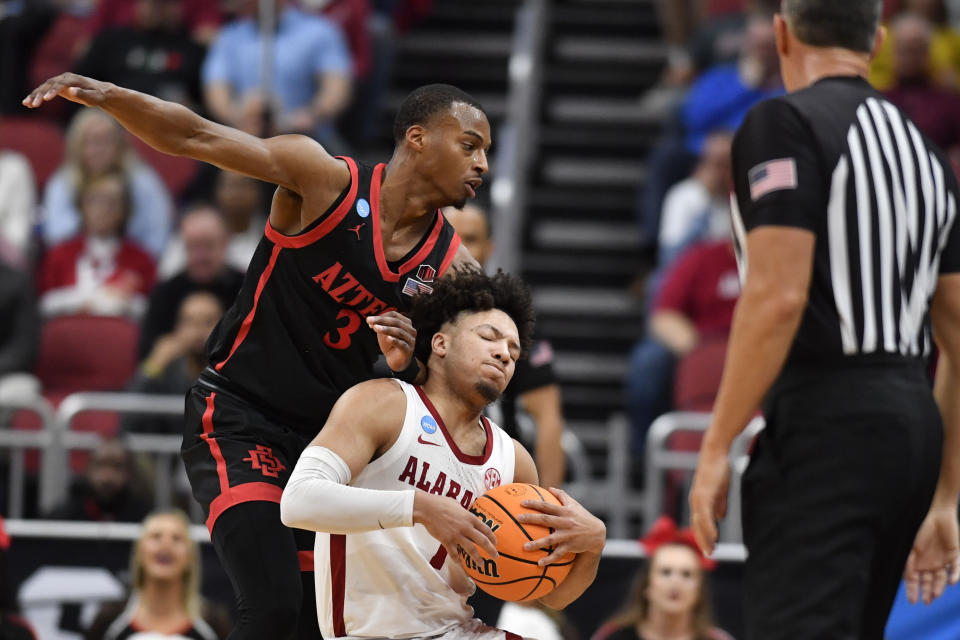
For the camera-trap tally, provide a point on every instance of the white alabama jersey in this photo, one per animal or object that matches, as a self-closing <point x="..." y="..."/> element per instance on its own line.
<point x="399" y="582"/>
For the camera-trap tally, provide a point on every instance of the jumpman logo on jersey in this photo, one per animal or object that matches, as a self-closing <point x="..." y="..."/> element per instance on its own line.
<point x="357" y="228"/>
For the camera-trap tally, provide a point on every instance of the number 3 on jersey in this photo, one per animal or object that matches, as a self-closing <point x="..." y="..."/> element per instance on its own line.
<point x="339" y="336"/>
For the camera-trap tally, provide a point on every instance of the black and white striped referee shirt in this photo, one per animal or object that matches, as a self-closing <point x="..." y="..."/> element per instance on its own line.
<point x="840" y="161"/>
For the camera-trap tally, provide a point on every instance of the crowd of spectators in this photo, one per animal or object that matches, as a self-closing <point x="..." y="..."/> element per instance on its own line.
<point x="722" y="60"/>
<point x="112" y="228"/>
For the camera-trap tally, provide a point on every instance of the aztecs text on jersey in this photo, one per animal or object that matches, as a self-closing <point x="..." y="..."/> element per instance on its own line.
<point x="296" y="337"/>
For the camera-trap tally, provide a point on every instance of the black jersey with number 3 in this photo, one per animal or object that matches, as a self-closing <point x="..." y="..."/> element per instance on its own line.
<point x="296" y="336"/>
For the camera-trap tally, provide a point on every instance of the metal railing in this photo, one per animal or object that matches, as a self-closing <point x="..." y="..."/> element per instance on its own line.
<point x="166" y="447"/>
<point x="46" y="439"/>
<point x="120" y="531"/>
<point x="517" y="137"/>
<point x="660" y="459"/>
<point x="55" y="439"/>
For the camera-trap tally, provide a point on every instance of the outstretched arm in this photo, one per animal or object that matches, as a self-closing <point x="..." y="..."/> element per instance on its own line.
<point x="295" y="162"/>
<point x="575" y="530"/>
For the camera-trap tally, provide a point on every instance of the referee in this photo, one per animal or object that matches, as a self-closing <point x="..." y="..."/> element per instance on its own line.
<point x="845" y="224"/>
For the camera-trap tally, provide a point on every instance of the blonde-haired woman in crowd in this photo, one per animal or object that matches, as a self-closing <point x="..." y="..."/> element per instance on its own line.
<point x="671" y="596"/>
<point x="165" y="597"/>
<point x="96" y="144"/>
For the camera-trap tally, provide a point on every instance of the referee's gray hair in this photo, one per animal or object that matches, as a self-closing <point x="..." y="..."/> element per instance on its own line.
<point x="849" y="24"/>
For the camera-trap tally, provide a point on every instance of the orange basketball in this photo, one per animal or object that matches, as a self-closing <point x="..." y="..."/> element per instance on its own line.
<point x="515" y="575"/>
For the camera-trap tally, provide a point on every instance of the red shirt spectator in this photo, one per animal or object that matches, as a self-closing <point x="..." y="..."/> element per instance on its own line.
<point x="703" y="285"/>
<point x="201" y="17"/>
<point x="99" y="270"/>
<point x="352" y="17"/>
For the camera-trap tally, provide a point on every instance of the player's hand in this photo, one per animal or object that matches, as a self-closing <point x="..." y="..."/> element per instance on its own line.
<point x="396" y="337"/>
<point x="71" y="86"/>
<point x="453" y="526"/>
<point x="935" y="558"/>
<point x="575" y="530"/>
<point x="708" y="496"/>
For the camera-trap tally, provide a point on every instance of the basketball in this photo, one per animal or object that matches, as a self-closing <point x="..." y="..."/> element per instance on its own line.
<point x="515" y="575"/>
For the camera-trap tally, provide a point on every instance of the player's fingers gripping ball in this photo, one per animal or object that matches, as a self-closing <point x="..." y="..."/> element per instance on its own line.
<point x="515" y="575"/>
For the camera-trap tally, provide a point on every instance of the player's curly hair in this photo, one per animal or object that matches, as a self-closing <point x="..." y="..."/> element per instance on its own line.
<point x="471" y="290"/>
<point x="425" y="102"/>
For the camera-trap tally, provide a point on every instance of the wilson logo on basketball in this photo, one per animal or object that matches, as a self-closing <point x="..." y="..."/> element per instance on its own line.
<point x="487" y="567"/>
<point x="490" y="522"/>
<point x="491" y="478"/>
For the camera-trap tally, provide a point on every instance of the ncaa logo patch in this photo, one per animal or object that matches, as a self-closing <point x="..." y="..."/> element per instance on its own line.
<point x="363" y="208"/>
<point x="491" y="478"/>
<point x="428" y="424"/>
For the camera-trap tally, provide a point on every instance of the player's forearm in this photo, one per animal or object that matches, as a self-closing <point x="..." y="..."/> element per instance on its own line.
<point x="544" y="406"/>
<point x="764" y="325"/>
<point x="551" y="462"/>
<point x="165" y="126"/>
<point x="947" y="392"/>
<point x="581" y="576"/>
<point x="317" y="498"/>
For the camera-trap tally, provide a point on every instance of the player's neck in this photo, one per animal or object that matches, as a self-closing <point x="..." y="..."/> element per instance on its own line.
<point x="406" y="198"/>
<point x="817" y="63"/>
<point x="460" y="415"/>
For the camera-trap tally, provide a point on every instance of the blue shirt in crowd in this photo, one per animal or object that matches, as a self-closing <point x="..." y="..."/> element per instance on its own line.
<point x="306" y="45"/>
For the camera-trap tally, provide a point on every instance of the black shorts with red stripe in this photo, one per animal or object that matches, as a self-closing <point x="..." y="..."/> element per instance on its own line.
<point x="233" y="454"/>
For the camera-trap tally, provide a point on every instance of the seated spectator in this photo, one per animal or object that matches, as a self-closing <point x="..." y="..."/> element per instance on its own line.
<point x="108" y="491"/>
<point x="19" y="326"/>
<point x="698" y="209"/>
<point x="165" y="600"/>
<point x="96" y="144"/>
<point x="943" y="64"/>
<point x="311" y="83"/>
<point x="99" y="271"/>
<point x="933" y="108"/>
<point x="681" y="21"/>
<point x="671" y="597"/>
<point x="153" y="54"/>
<point x="696" y="302"/>
<point x="176" y="360"/>
<point x="12" y="626"/>
<point x="718" y="100"/>
<point x="18" y="203"/>
<point x="205" y="236"/>
<point x="201" y="17"/>
<point x="240" y="200"/>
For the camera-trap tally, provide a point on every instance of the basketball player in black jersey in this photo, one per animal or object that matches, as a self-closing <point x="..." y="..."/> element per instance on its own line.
<point x="346" y="247"/>
<point x="845" y="220"/>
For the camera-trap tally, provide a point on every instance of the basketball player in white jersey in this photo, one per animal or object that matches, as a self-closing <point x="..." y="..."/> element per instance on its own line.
<point x="388" y="481"/>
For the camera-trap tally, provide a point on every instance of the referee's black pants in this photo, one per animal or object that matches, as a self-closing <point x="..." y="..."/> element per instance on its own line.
<point x="837" y="487"/>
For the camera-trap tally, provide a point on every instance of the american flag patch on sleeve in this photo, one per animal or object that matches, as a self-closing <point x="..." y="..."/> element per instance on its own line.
<point x="773" y="175"/>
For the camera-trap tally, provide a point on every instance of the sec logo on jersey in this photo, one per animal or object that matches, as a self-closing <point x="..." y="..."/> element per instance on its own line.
<point x="491" y="478"/>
